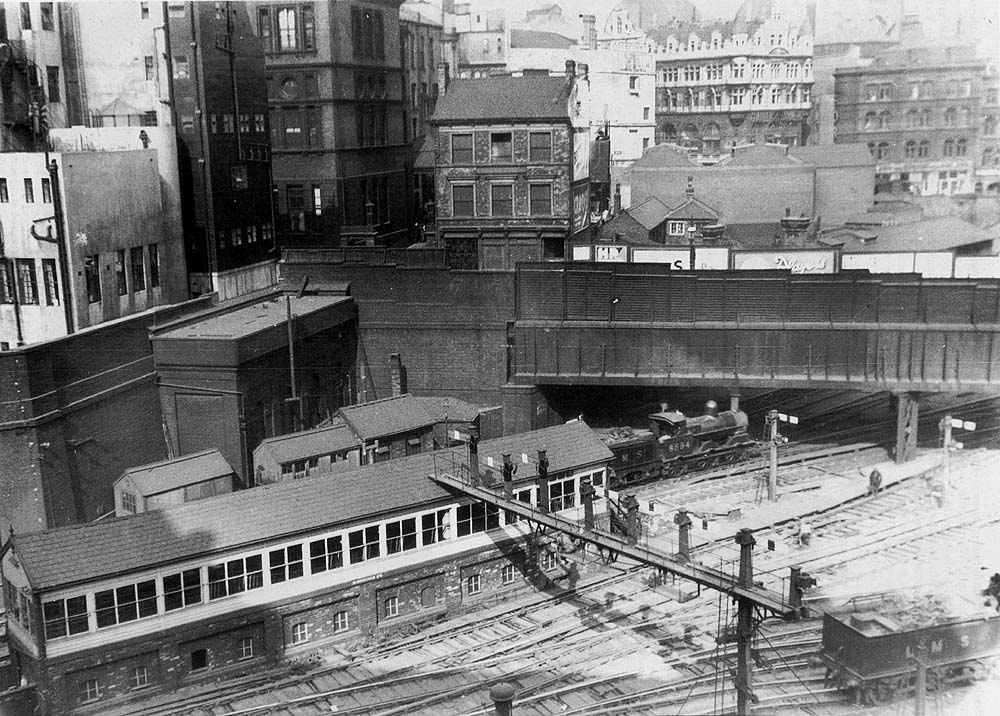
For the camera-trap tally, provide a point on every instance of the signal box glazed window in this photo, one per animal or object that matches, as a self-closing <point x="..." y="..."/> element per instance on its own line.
<point x="477" y="517"/>
<point x="401" y="536"/>
<point x="235" y="576"/>
<point x="326" y="554"/>
<point x="364" y="544"/>
<point x="125" y="604"/>
<point x="434" y="527"/>
<point x="64" y="617"/>
<point x="182" y="589"/>
<point x="286" y="563"/>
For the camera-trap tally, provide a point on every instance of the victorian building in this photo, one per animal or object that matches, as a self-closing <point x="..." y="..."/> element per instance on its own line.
<point x="716" y="92"/>
<point x="920" y="109"/>
<point x="338" y="123"/>
<point x="512" y="168"/>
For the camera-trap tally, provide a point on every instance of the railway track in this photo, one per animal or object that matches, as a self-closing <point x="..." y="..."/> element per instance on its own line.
<point x="615" y="646"/>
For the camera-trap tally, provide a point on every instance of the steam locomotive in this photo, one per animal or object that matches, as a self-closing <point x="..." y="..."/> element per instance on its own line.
<point x="676" y="444"/>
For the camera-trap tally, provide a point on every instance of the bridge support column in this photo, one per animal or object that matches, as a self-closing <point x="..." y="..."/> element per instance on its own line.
<point x="907" y="412"/>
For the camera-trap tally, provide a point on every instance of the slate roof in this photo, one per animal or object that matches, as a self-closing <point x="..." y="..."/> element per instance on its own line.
<point x="650" y="213"/>
<point x="664" y="155"/>
<point x="388" y="416"/>
<point x="97" y="550"/>
<point x="940" y="233"/>
<point x="761" y="155"/>
<point x="310" y="443"/>
<point x="694" y="209"/>
<point x="835" y="155"/>
<point x="449" y="410"/>
<point x="512" y="98"/>
<point x="539" y="39"/>
<point x="167" y="475"/>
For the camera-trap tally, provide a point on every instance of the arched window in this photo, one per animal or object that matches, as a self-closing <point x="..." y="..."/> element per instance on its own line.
<point x="923" y="148"/>
<point x="912" y="119"/>
<point x="884" y="118"/>
<point x="926" y="89"/>
<point x="925" y="118"/>
<point x="690" y="137"/>
<point x="871" y="148"/>
<point x="870" y="120"/>
<point x="950" y="117"/>
<point x="910" y="150"/>
<point x="883" y="151"/>
<point x="948" y="149"/>
<point x="961" y="147"/>
<point x="990" y="125"/>
<point x="964" y="117"/>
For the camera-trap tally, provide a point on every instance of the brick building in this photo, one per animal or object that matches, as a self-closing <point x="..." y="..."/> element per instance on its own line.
<point x="512" y="169"/>
<point x="197" y="67"/>
<point x="424" y="72"/>
<point x="336" y="99"/>
<point x="227" y="380"/>
<point x="120" y="610"/>
<point x="919" y="109"/>
<point x="717" y="92"/>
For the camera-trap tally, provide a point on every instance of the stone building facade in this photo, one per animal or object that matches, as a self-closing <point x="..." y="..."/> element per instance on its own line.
<point x="717" y="92"/>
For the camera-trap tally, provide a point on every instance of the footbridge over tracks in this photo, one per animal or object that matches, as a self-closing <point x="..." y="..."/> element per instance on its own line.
<point x="642" y="324"/>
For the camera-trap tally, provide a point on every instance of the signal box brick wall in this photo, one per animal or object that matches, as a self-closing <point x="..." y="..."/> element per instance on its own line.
<point x="427" y="592"/>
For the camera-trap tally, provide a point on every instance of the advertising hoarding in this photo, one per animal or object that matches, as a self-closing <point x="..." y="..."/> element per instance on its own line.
<point x="798" y="261"/>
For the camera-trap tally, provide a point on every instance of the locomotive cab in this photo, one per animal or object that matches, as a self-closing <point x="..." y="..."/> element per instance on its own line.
<point x="667" y="424"/>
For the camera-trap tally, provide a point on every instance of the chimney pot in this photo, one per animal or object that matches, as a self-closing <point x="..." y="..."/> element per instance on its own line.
<point x="570" y="68"/>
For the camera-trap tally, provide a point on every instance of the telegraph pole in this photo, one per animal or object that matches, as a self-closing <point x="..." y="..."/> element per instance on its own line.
<point x="772" y="476"/>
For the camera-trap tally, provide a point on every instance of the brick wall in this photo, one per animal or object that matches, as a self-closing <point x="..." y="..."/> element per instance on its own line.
<point x="426" y="592"/>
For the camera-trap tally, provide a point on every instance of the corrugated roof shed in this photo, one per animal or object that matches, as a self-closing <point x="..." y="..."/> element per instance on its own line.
<point x="539" y="39"/>
<point x="521" y="99"/>
<point x="77" y="553"/>
<point x="310" y="443"/>
<point x="389" y="416"/>
<point x="664" y="155"/>
<point x="939" y="233"/>
<point x="167" y="475"/>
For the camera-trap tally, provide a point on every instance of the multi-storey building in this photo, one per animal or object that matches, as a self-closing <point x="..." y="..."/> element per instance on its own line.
<point x="33" y="85"/>
<point x="420" y="42"/>
<point x="482" y="42"/>
<point x="335" y="92"/>
<point x="197" y="67"/>
<point x="918" y="107"/>
<point x="512" y="168"/>
<point x="721" y="91"/>
<point x="988" y="172"/>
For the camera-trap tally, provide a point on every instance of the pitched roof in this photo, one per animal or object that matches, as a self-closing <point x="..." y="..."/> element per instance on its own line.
<point x="939" y="233"/>
<point x="167" y="475"/>
<point x="761" y="155"/>
<point x="664" y="155"/>
<point x="68" y="555"/>
<point x="310" y="443"/>
<point x="536" y="39"/>
<point x="420" y="12"/>
<point x="650" y="213"/>
<point x="425" y="155"/>
<point x="835" y="155"/>
<point x="448" y="409"/>
<point x="518" y="98"/>
<point x="388" y="416"/>
<point x="694" y="209"/>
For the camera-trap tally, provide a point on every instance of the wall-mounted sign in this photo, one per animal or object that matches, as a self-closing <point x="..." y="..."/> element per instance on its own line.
<point x="581" y="253"/>
<point x="705" y="258"/>
<point x="618" y="254"/>
<point x="581" y="154"/>
<point x="798" y="261"/>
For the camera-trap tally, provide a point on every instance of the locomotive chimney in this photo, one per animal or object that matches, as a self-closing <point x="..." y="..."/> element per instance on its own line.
<point x="664" y="407"/>
<point x="712" y="408"/>
<point x="734" y="402"/>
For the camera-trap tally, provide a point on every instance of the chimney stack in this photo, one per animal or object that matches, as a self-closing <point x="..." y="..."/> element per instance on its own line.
<point x="570" y="69"/>
<point x="689" y="190"/>
<point x="618" y="199"/>
<point x="443" y="78"/>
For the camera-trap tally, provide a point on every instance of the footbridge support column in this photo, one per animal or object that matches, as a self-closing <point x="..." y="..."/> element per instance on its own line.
<point x="907" y="413"/>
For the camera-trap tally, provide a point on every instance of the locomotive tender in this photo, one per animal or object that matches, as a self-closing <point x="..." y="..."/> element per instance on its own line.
<point x="874" y="656"/>
<point x="675" y="444"/>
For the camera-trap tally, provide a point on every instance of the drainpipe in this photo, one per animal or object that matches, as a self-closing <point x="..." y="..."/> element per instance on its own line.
<point x="61" y="245"/>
